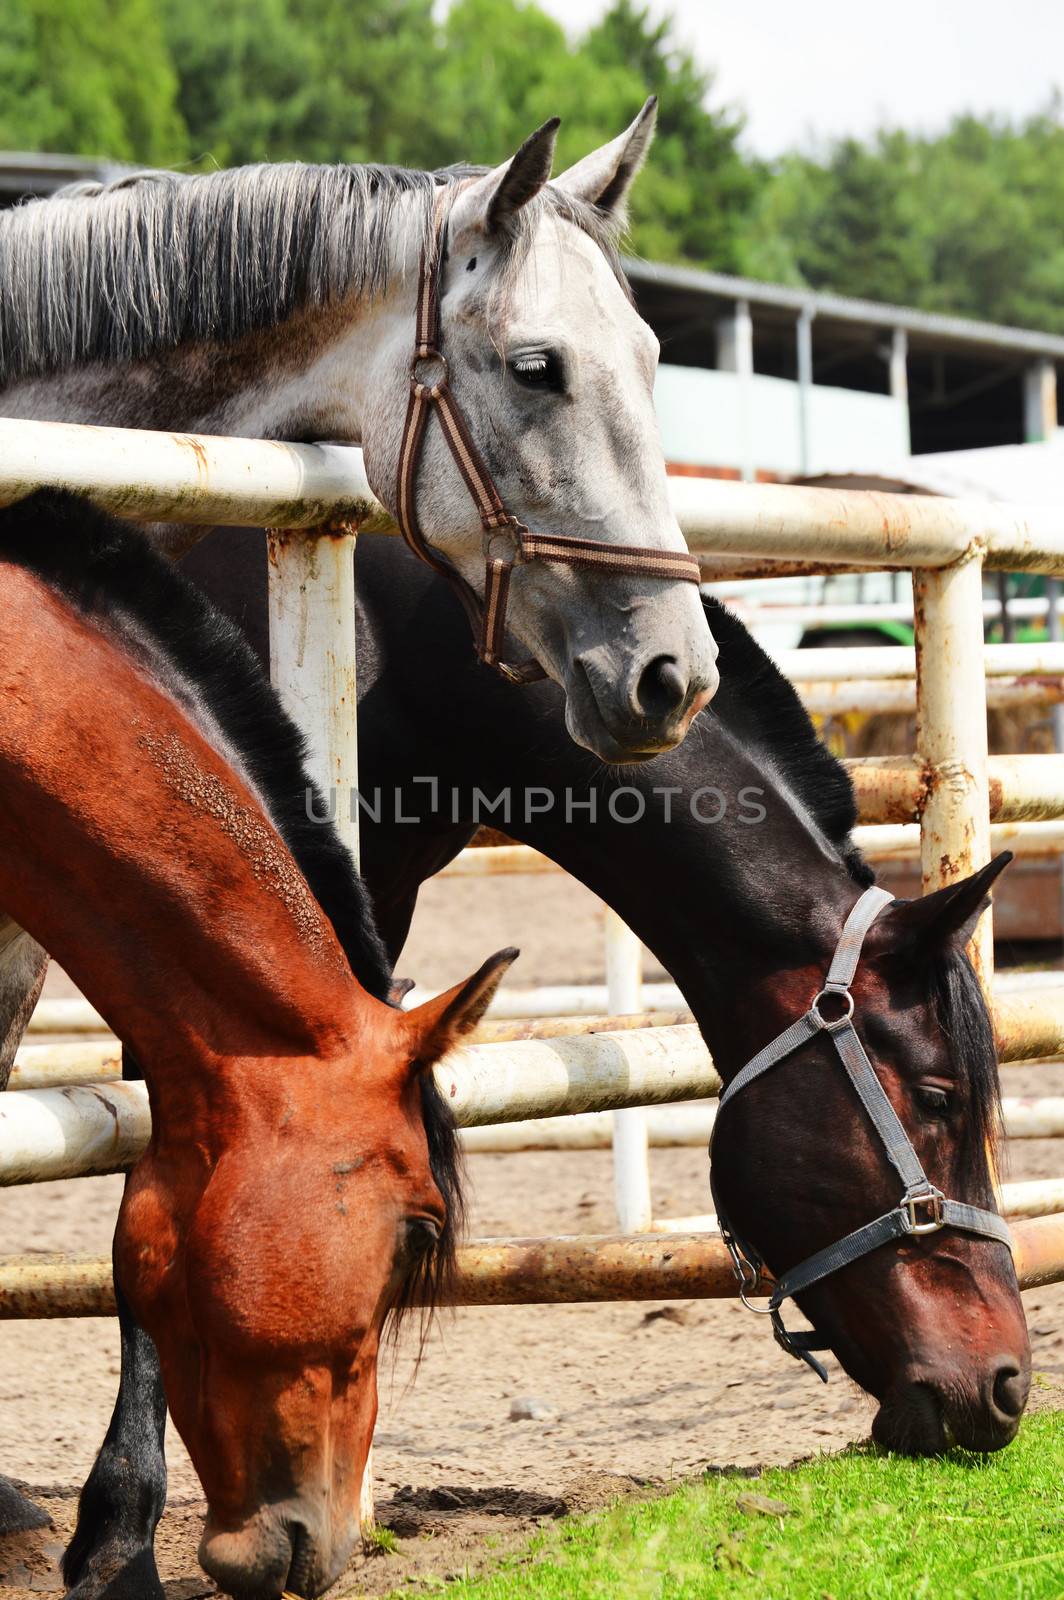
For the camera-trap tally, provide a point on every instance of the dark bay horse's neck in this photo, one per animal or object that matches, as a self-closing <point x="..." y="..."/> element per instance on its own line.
<point x="144" y="864"/>
<point x="726" y="876"/>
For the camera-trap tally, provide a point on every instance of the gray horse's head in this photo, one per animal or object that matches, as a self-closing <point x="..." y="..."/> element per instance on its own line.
<point x="554" y="371"/>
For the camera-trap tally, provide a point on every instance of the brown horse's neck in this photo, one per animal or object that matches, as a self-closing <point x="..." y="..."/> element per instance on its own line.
<point x="135" y="854"/>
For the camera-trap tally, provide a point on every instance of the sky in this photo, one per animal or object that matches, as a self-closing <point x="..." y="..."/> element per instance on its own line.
<point x="805" y="70"/>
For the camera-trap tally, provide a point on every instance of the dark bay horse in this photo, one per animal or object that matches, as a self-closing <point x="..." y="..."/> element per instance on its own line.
<point x="744" y="911"/>
<point x="279" y="302"/>
<point x="301" y="1182"/>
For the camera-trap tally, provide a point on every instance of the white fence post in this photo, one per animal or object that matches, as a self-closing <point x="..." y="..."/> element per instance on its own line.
<point x="631" y="1161"/>
<point x="312" y="657"/>
<point x="313" y="667"/>
<point x="951" y="736"/>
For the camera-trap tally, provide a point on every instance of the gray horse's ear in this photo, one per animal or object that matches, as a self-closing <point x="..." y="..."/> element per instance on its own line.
<point x="492" y="200"/>
<point x="604" y="177"/>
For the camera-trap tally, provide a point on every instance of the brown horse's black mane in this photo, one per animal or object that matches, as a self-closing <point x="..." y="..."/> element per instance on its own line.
<point x="111" y="575"/>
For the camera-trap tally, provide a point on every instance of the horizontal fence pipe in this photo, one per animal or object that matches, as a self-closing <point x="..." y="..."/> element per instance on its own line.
<point x="53" y="1066"/>
<point x="495" y="1030"/>
<point x="76" y="1132"/>
<point x="579" y="1269"/>
<point x="765" y="612"/>
<point x="1038" y="1198"/>
<point x="191" y="478"/>
<point x="894" y="697"/>
<point x="690" y="1126"/>
<point x="890" y="841"/>
<point x="187" y="478"/>
<point x="864" y="525"/>
<point x="1023" y="788"/>
<point x="836" y="664"/>
<point x="66" y="1016"/>
<point x="72" y="1133"/>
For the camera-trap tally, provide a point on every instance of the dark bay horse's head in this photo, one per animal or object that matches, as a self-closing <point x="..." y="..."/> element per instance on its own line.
<point x="554" y="370"/>
<point x="328" y="1201"/>
<point x="932" y="1326"/>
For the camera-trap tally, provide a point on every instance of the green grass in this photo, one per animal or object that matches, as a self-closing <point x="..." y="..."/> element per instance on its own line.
<point x="859" y="1526"/>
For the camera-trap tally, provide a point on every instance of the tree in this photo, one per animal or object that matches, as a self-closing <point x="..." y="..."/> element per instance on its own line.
<point x="693" y="202"/>
<point x="88" y="77"/>
<point x="968" y="221"/>
<point x="303" y="79"/>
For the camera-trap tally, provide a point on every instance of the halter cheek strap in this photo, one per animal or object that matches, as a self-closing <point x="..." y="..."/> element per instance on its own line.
<point x="430" y="390"/>
<point x="922" y="1208"/>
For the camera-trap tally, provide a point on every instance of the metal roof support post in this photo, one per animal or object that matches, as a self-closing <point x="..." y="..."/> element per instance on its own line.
<point x="1039" y="401"/>
<point x="735" y="353"/>
<point x="951" y="739"/>
<point x="631" y="1159"/>
<point x="899" y="376"/>
<point x="805" y="389"/>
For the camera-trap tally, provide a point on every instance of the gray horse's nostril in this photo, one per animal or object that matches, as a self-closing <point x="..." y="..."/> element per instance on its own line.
<point x="662" y="688"/>
<point x="1009" y="1390"/>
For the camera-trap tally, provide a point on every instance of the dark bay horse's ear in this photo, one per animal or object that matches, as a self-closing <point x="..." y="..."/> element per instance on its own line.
<point x="444" y="1021"/>
<point x="604" y="177"/>
<point x="947" y="916"/>
<point x="492" y="200"/>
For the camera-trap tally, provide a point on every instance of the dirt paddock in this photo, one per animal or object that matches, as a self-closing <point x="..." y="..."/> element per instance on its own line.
<point x="628" y="1396"/>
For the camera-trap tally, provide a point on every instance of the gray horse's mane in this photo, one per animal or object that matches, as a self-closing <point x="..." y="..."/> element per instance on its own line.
<point x="114" y="272"/>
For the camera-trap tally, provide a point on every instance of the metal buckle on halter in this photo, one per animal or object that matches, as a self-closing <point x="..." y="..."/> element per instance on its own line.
<point x="829" y="1024"/>
<point x="426" y="352"/>
<point x="932" y="1197"/>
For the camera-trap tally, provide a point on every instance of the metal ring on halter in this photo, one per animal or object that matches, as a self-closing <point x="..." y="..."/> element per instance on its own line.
<point x="425" y="352"/>
<point x="510" y="529"/>
<point x="829" y="1023"/>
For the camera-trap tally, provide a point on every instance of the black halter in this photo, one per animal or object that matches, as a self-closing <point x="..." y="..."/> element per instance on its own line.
<point x="921" y="1209"/>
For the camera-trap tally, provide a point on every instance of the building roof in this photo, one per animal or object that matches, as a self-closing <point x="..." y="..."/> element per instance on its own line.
<point x="27" y="174"/>
<point x="717" y="292"/>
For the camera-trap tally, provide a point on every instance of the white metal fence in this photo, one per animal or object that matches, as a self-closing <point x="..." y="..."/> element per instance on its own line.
<point x="942" y="801"/>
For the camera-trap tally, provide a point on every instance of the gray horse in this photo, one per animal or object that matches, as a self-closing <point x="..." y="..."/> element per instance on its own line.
<point x="278" y="302"/>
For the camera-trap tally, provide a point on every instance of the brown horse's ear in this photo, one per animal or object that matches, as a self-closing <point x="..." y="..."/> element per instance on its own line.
<point x="947" y="916"/>
<point x="492" y="200"/>
<point x="604" y="177"/>
<point x="444" y="1021"/>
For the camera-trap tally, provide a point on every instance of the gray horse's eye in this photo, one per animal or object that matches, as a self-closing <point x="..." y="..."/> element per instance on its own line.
<point x="537" y="369"/>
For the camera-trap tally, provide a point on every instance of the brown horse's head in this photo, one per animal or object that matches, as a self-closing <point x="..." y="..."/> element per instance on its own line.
<point x="327" y="1198"/>
<point x="931" y="1326"/>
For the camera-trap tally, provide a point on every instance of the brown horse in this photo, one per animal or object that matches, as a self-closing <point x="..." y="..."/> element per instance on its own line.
<point x="136" y="851"/>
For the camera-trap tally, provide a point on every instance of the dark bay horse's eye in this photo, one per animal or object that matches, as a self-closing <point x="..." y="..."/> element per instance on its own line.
<point x="938" y="1101"/>
<point x="422" y="1234"/>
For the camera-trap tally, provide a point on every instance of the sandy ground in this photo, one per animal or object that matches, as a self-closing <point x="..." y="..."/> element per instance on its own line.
<point x="634" y="1395"/>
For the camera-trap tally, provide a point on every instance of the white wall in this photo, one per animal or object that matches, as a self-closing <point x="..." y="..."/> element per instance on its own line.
<point x="702" y="422"/>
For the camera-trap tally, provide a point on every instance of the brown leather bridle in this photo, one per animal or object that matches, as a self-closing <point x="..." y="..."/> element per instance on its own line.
<point x="487" y="617"/>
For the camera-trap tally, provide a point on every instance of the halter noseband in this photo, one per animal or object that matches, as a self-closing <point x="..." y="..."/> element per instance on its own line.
<point x="921" y="1209"/>
<point x="430" y="387"/>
